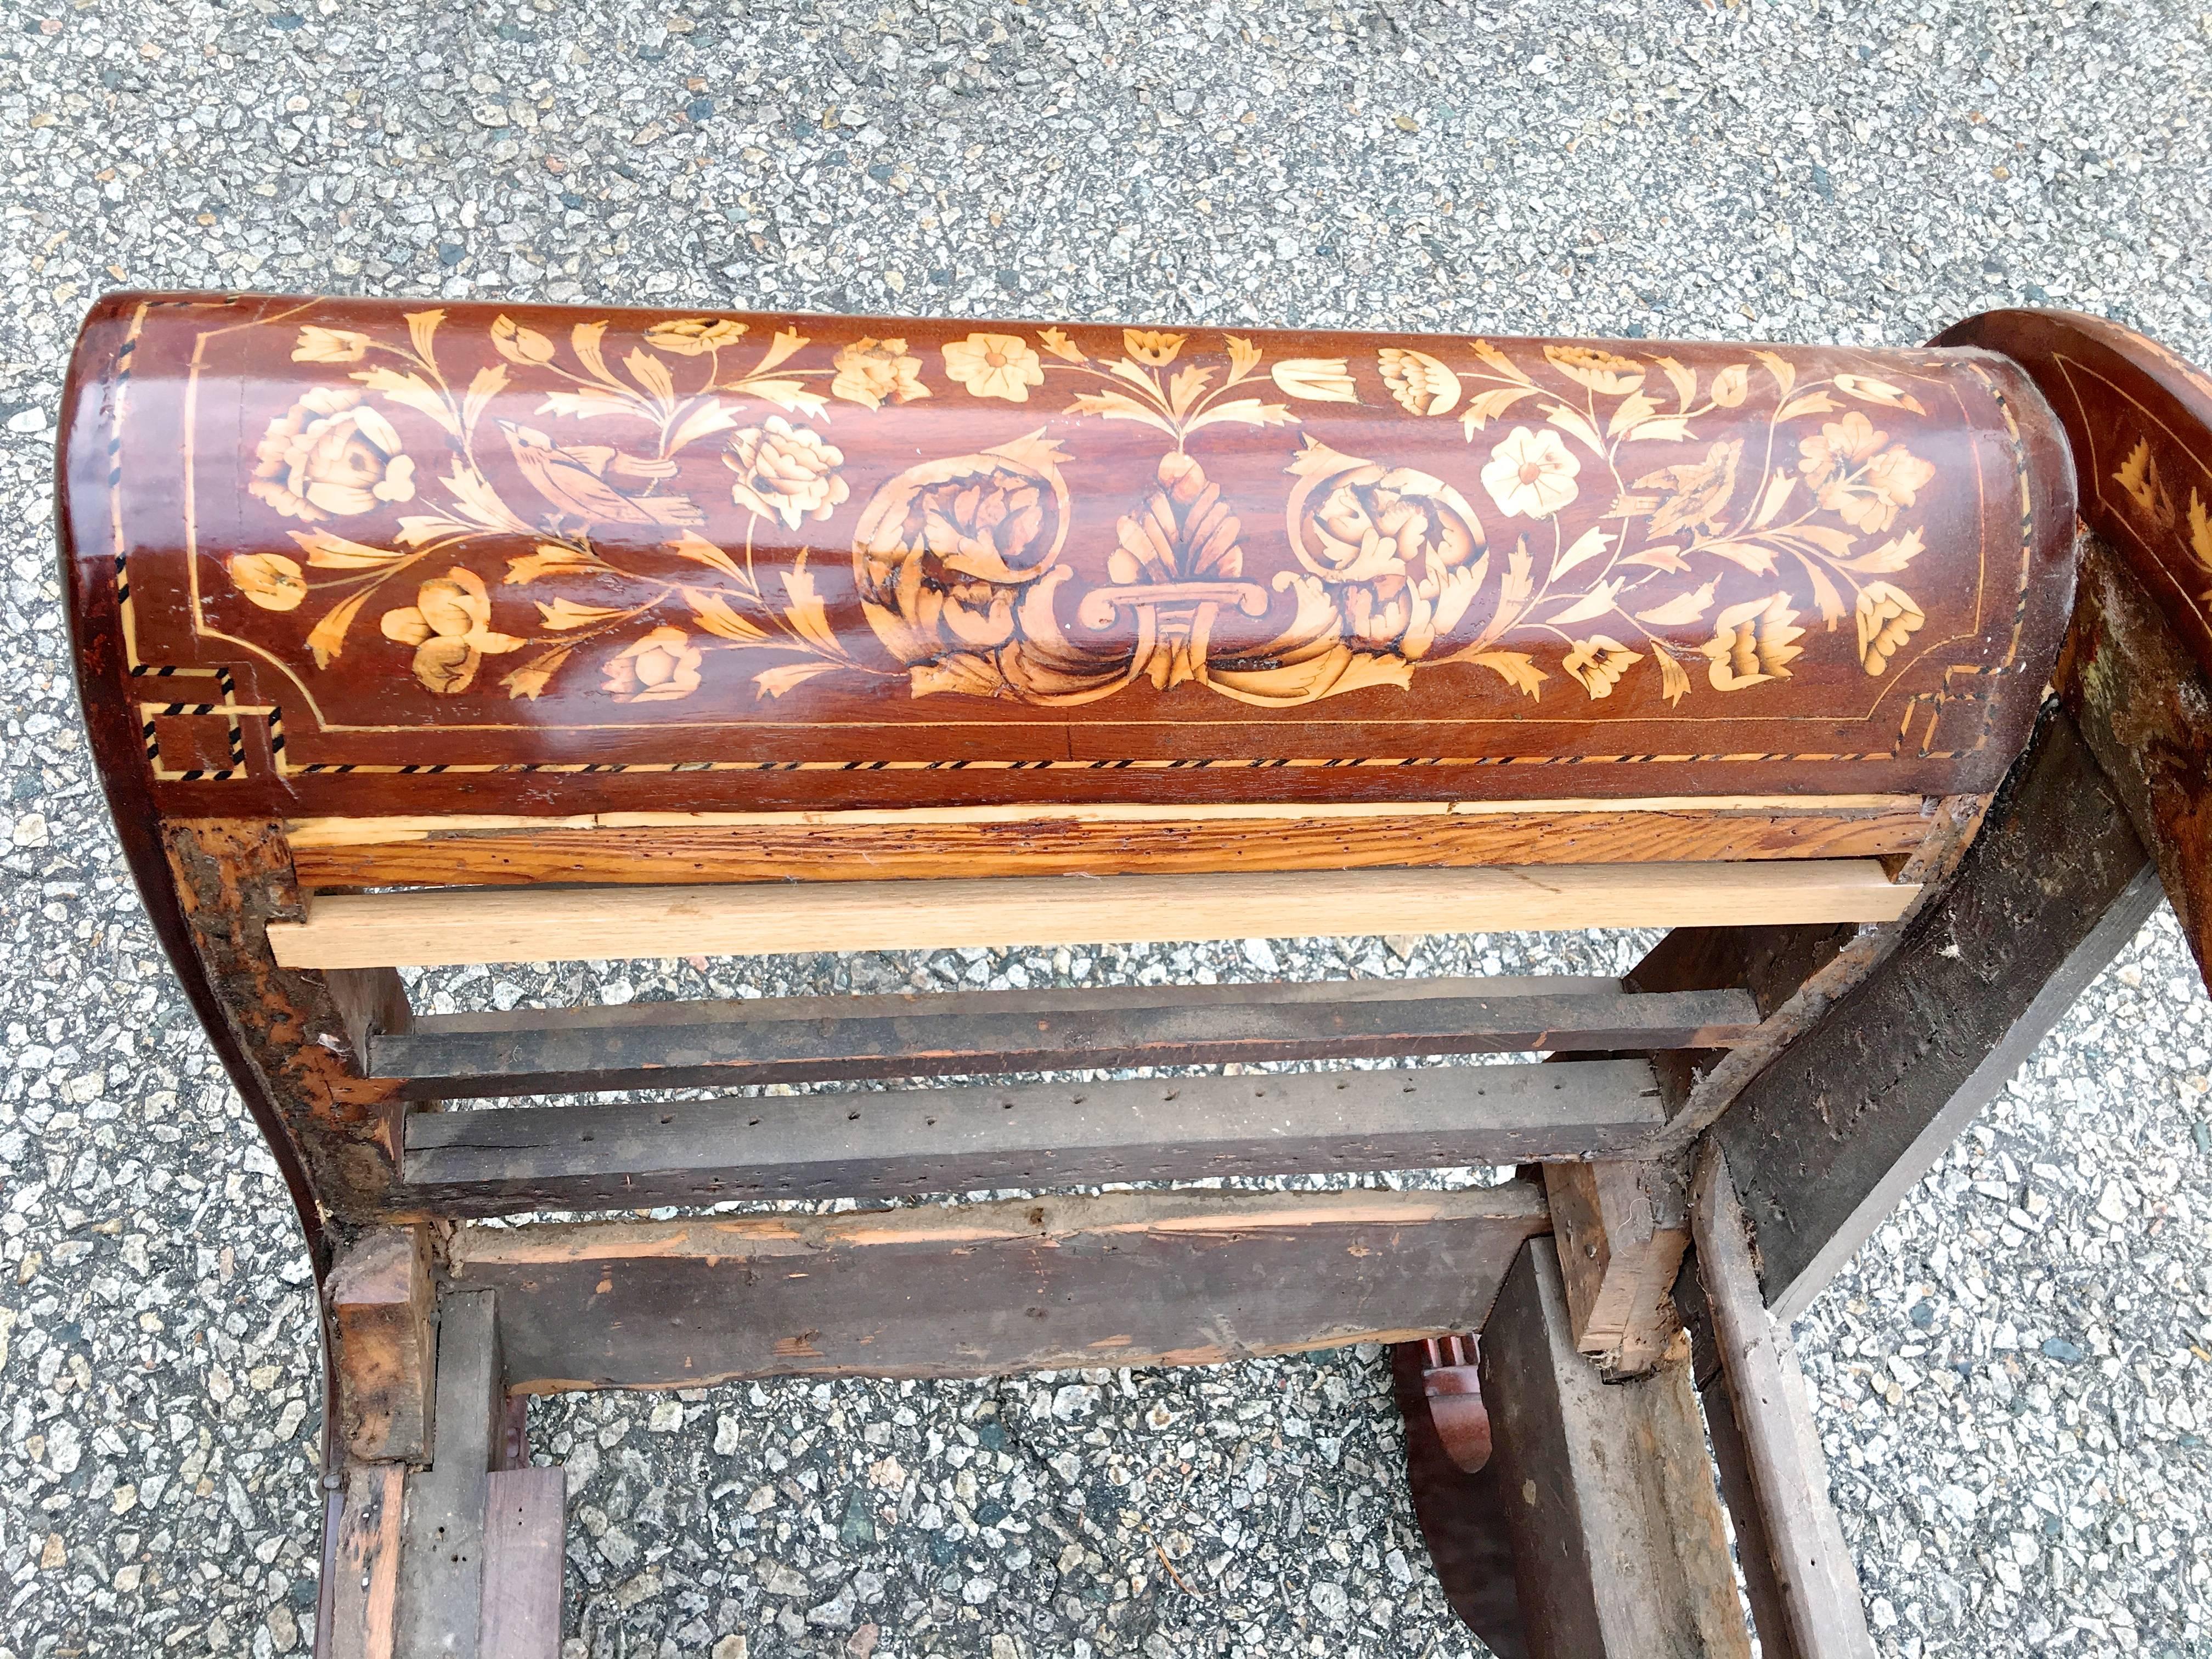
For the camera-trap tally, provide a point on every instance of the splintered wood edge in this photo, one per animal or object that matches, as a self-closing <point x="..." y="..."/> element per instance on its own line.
<point x="377" y="831"/>
<point x="712" y="1239"/>
<point x="452" y="927"/>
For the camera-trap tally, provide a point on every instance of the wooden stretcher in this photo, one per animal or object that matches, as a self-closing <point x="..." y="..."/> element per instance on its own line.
<point x="418" y="638"/>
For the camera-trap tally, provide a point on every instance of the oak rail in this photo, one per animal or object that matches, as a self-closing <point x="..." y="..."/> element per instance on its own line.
<point x="1042" y="839"/>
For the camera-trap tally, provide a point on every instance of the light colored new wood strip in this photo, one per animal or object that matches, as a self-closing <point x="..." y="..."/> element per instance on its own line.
<point x="373" y="831"/>
<point x="450" y="928"/>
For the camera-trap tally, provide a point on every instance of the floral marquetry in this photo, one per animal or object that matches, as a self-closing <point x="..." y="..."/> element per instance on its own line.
<point x="458" y="540"/>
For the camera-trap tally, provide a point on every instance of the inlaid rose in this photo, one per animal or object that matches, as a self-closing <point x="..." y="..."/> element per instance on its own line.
<point x="785" y="472"/>
<point x="331" y="456"/>
<point x="872" y="372"/>
<point x="661" y="667"/>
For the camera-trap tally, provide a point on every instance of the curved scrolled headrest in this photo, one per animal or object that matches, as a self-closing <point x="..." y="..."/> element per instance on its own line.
<point x="335" y="555"/>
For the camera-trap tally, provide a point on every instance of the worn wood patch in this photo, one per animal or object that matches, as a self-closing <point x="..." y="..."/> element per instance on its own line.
<point x="2144" y="705"/>
<point x="234" y="885"/>
<point x="1824" y="1140"/>
<point x="382" y="1346"/>
<point x="971" y="1290"/>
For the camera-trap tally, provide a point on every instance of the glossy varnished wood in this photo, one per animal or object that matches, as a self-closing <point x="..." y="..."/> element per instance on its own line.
<point x="2137" y="676"/>
<point x="457" y="559"/>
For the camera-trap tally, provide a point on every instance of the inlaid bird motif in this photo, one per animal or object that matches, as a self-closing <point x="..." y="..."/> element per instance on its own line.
<point x="585" y="481"/>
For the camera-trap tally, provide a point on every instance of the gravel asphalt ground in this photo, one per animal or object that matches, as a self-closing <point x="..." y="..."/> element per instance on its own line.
<point x="2016" y="1380"/>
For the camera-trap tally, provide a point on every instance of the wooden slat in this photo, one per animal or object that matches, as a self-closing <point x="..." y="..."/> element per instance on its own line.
<point x="1813" y="1569"/>
<point x="977" y="1034"/>
<point x="443" y="929"/>
<point x="1754" y="1550"/>
<point x="1619" y="1550"/>
<point x="961" y="1290"/>
<point x="441" y="1563"/>
<point x="366" y="1568"/>
<point x="525" y="1518"/>
<point x="954" y="1140"/>
<point x="1094" y="840"/>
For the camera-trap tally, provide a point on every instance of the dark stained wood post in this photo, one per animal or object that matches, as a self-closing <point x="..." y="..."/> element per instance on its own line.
<point x="1617" y="1539"/>
<point x="1827" y="1137"/>
<point x="1812" y="1568"/>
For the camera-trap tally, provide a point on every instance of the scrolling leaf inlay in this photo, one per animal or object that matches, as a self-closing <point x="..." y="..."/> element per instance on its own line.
<point x="960" y="563"/>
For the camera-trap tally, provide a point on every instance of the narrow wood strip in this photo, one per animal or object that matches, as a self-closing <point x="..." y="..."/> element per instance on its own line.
<point x="441" y="1567"/>
<point x="807" y="1039"/>
<point x="1127" y="1279"/>
<point x="1812" y="1567"/>
<point x="1755" y="1551"/>
<point x="362" y="831"/>
<point x="364" y="1598"/>
<point x="954" y="1140"/>
<point x="857" y="846"/>
<point x="445" y="929"/>
<point x="524" y="1523"/>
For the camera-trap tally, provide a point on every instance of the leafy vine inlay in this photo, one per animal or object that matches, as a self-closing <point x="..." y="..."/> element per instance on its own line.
<point x="960" y="563"/>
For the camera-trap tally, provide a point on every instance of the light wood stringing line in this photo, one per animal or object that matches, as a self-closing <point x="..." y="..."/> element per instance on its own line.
<point x="373" y="831"/>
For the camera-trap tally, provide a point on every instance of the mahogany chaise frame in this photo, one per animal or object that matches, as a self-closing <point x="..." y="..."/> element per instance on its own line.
<point x="1851" y="972"/>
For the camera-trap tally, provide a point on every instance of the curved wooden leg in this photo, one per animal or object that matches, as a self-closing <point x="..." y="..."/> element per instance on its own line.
<point x="1462" y="1516"/>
